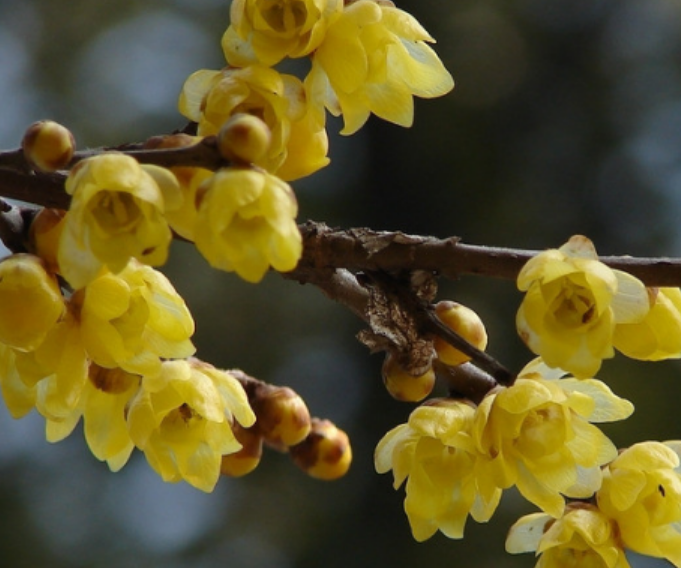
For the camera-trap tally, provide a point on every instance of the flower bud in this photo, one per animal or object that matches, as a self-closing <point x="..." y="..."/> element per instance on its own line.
<point x="44" y="234"/>
<point x="466" y="323"/>
<point x="244" y="138"/>
<point x="48" y="146"/>
<point x="402" y="385"/>
<point x="248" y="457"/>
<point x="325" y="453"/>
<point x="282" y="416"/>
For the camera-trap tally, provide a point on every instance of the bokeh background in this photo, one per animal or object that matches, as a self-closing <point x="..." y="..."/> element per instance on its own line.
<point x="566" y="119"/>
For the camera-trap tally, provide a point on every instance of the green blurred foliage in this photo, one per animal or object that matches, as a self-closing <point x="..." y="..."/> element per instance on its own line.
<point x="566" y="119"/>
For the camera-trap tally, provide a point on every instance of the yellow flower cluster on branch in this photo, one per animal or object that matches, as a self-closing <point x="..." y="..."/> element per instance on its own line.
<point x="100" y="351"/>
<point x="536" y="435"/>
<point x="638" y="507"/>
<point x="537" y="431"/>
<point x="90" y="330"/>
<point x="366" y="57"/>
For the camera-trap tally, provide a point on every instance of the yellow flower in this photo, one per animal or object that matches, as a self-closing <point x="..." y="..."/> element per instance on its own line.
<point x="642" y="492"/>
<point x="31" y="302"/>
<point x="246" y="223"/>
<point x="429" y="451"/>
<point x="299" y="144"/>
<point x="266" y="31"/>
<point x="658" y="335"/>
<point x="582" y="538"/>
<point x="133" y="319"/>
<point x="57" y="369"/>
<point x="374" y="58"/>
<point x="536" y="435"/>
<point x="182" y="419"/>
<point x="573" y="303"/>
<point x="116" y="213"/>
<point x="103" y="407"/>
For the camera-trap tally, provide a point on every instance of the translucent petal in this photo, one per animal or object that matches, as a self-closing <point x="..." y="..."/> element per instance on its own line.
<point x="608" y="407"/>
<point x="525" y="534"/>
<point x="420" y="68"/>
<point x="195" y="89"/>
<point x="630" y="304"/>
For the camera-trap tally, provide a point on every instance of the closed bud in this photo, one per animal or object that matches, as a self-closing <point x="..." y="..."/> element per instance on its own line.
<point x="44" y="234"/>
<point x="404" y="386"/>
<point x="464" y="322"/>
<point x="248" y="457"/>
<point x="48" y="146"/>
<point x="282" y="416"/>
<point x="325" y="453"/>
<point x="244" y="138"/>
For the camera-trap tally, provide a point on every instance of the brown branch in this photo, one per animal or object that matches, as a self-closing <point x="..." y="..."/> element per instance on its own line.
<point x="402" y="323"/>
<point x="42" y="189"/>
<point x="364" y="250"/>
<point x="203" y="154"/>
<point x="353" y="249"/>
<point x="432" y="324"/>
<point x="465" y="380"/>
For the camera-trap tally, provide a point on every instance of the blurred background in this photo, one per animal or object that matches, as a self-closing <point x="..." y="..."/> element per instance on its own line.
<point x="566" y="119"/>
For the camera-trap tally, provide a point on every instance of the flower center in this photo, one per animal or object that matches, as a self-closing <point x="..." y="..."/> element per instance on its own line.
<point x="283" y="15"/>
<point x="574" y="307"/>
<point x="112" y="381"/>
<point x="115" y="212"/>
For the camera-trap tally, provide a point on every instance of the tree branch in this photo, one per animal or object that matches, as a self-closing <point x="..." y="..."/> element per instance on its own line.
<point x="364" y="249"/>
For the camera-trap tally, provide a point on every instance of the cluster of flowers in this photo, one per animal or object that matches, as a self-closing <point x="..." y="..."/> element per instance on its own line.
<point x="538" y="433"/>
<point x="365" y="57"/>
<point x="89" y="329"/>
<point x="117" y="353"/>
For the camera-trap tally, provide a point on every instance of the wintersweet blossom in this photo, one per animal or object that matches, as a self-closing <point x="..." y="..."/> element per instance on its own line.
<point x="573" y="303"/>
<point x="267" y="31"/>
<point x="56" y="369"/>
<point x="642" y="492"/>
<point x="373" y="59"/>
<point x="31" y="302"/>
<point x="299" y="143"/>
<point x="658" y="335"/>
<point x="103" y="406"/>
<point x="181" y="419"/>
<point x="246" y="223"/>
<point x="582" y="538"/>
<point x="133" y="319"/>
<point x="536" y="434"/>
<point x="429" y="452"/>
<point x="116" y="213"/>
